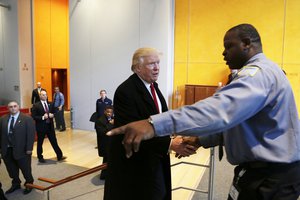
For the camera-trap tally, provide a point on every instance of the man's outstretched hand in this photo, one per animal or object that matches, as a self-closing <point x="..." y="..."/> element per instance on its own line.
<point x="135" y="133"/>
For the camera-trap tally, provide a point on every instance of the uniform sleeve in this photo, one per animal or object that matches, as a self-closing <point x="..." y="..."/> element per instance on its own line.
<point x="211" y="140"/>
<point x="62" y="99"/>
<point x="231" y="105"/>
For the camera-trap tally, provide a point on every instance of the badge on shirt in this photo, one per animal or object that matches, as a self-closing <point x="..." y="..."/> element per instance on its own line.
<point x="248" y="71"/>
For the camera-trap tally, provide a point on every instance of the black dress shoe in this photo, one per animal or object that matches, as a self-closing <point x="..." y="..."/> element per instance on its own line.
<point x="42" y="160"/>
<point x="62" y="158"/>
<point x="12" y="189"/>
<point x="61" y="130"/>
<point x="27" y="190"/>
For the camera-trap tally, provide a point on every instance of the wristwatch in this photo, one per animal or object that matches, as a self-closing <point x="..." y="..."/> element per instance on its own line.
<point x="150" y="121"/>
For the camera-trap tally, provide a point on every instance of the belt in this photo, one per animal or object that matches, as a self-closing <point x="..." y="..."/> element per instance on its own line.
<point x="261" y="164"/>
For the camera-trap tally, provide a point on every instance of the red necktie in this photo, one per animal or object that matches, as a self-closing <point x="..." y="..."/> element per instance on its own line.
<point x="154" y="96"/>
<point x="46" y="108"/>
<point x="47" y="111"/>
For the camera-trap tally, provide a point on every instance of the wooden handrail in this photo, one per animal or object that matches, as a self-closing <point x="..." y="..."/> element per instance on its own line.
<point x="65" y="180"/>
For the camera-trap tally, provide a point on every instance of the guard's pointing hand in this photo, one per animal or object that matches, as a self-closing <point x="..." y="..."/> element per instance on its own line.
<point x="134" y="132"/>
<point x="116" y="131"/>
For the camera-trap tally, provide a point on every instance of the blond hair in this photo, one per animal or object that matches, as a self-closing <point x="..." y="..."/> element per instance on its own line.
<point x="139" y="54"/>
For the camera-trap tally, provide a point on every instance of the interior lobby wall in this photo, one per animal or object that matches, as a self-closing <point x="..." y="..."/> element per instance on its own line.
<point x="103" y="37"/>
<point x="200" y="27"/>
<point x="16" y="69"/>
<point x="9" y="50"/>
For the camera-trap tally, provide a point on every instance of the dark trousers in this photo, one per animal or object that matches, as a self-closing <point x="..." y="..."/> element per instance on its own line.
<point x="53" y="141"/>
<point x="2" y="196"/>
<point x="270" y="182"/>
<point x="103" y="173"/>
<point x="60" y="119"/>
<point x="13" y="166"/>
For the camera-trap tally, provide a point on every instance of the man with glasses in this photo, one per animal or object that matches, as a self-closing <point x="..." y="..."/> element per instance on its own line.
<point x="16" y="139"/>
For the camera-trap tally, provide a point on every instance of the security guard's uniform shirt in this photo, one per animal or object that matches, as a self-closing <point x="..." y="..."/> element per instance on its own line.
<point x="256" y="112"/>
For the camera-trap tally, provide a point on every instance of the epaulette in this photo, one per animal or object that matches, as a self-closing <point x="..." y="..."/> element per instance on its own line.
<point x="248" y="71"/>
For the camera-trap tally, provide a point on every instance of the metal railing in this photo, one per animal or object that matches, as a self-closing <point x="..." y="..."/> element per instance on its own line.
<point x="56" y="183"/>
<point x="211" y="167"/>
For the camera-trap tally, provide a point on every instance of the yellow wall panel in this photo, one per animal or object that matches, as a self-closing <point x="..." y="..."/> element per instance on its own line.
<point x="44" y="76"/>
<point x="181" y="31"/>
<point x="210" y="19"/>
<point x="293" y="74"/>
<point x="207" y="74"/>
<point x="292" y="33"/>
<point x="207" y="21"/>
<point x="179" y="92"/>
<point x="51" y="41"/>
<point x="59" y="33"/>
<point x="42" y="32"/>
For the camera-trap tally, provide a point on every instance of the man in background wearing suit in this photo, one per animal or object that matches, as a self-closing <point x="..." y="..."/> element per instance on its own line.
<point x="42" y="113"/>
<point x="147" y="174"/>
<point x="104" y="124"/>
<point x="16" y="140"/>
<point x="35" y="97"/>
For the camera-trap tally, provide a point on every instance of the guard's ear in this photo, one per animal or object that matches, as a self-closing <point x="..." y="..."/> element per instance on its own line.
<point x="246" y="41"/>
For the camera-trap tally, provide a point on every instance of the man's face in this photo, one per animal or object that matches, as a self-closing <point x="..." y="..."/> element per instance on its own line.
<point x="109" y="112"/>
<point x="38" y="84"/>
<point x="56" y="90"/>
<point x="13" y="108"/>
<point x="234" y="52"/>
<point x="43" y="96"/>
<point x="149" y="69"/>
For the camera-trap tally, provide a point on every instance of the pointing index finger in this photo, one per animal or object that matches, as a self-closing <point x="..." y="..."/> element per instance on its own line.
<point x="116" y="131"/>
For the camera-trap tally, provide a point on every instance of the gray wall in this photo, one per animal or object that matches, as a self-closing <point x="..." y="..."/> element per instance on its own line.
<point x="16" y="74"/>
<point x="9" y="59"/>
<point x="103" y="36"/>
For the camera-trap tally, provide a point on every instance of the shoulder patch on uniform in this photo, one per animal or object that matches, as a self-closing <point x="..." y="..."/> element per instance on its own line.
<point x="248" y="71"/>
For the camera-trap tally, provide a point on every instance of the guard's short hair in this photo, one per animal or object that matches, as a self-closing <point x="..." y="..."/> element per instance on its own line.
<point x="108" y="107"/>
<point x="247" y="30"/>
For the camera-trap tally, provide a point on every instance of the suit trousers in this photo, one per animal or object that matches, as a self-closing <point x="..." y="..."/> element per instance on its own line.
<point x="270" y="182"/>
<point x="13" y="166"/>
<point x="60" y="119"/>
<point x="53" y="141"/>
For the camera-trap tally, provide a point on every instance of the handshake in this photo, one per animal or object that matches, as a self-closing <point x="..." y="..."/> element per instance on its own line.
<point x="184" y="145"/>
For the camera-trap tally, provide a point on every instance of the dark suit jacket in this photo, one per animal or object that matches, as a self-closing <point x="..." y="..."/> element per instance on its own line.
<point x="35" y="97"/>
<point x="102" y="127"/>
<point x="37" y="114"/>
<point x="23" y="135"/>
<point x="133" y="178"/>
